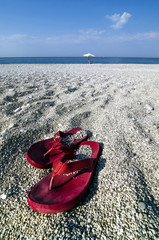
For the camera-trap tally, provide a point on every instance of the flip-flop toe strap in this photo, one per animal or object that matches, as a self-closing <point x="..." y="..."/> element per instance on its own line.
<point x="69" y="170"/>
<point x="57" y="147"/>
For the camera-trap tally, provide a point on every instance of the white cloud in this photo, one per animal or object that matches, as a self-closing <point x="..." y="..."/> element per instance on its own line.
<point x="14" y="37"/>
<point x="138" y="36"/>
<point x="53" y="39"/>
<point x="17" y="36"/>
<point x="90" y="34"/>
<point x="78" y="37"/>
<point x="151" y="35"/>
<point x="119" y="20"/>
<point x="83" y="36"/>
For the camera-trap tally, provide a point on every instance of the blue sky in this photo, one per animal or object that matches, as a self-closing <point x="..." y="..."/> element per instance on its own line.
<point x="116" y="28"/>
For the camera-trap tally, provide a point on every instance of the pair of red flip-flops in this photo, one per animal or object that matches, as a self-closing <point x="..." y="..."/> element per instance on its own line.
<point x="62" y="189"/>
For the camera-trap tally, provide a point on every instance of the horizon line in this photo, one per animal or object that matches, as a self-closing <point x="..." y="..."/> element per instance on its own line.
<point x="74" y="57"/>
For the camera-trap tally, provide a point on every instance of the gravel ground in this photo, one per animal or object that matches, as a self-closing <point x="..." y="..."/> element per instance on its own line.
<point x="119" y="106"/>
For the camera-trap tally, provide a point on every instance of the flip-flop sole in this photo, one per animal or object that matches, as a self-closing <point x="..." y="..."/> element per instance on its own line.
<point x="54" y="201"/>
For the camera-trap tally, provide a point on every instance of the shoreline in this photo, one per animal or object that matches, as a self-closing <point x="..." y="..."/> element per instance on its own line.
<point x="109" y="100"/>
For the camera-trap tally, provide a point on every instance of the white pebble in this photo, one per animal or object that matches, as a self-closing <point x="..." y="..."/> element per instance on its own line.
<point x="149" y="107"/>
<point x="3" y="196"/>
<point x="16" y="110"/>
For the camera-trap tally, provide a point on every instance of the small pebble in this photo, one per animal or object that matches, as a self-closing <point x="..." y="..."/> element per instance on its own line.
<point x="142" y="205"/>
<point x="3" y="196"/>
<point x="16" y="110"/>
<point x="149" y="107"/>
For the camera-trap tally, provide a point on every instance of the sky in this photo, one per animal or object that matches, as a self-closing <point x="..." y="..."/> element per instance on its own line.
<point x="56" y="28"/>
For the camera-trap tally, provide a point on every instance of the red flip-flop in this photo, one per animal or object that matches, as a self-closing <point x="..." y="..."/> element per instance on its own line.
<point x="65" y="187"/>
<point x="42" y="154"/>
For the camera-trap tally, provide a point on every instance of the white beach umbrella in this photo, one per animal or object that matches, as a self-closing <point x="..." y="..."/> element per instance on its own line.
<point x="88" y="55"/>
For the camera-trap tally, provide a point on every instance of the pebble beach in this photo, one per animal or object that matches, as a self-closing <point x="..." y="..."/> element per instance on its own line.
<point x="119" y="107"/>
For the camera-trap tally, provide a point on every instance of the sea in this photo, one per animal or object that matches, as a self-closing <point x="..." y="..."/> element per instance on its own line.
<point x="77" y="60"/>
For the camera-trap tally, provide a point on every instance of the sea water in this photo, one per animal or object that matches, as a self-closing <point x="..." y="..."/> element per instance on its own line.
<point x="77" y="60"/>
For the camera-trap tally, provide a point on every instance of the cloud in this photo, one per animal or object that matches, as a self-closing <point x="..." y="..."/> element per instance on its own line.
<point x="78" y="37"/>
<point x="119" y="20"/>
<point x="17" y="36"/>
<point x="90" y="34"/>
<point x="138" y="36"/>
<point x="14" y="37"/>
<point x="52" y="39"/>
